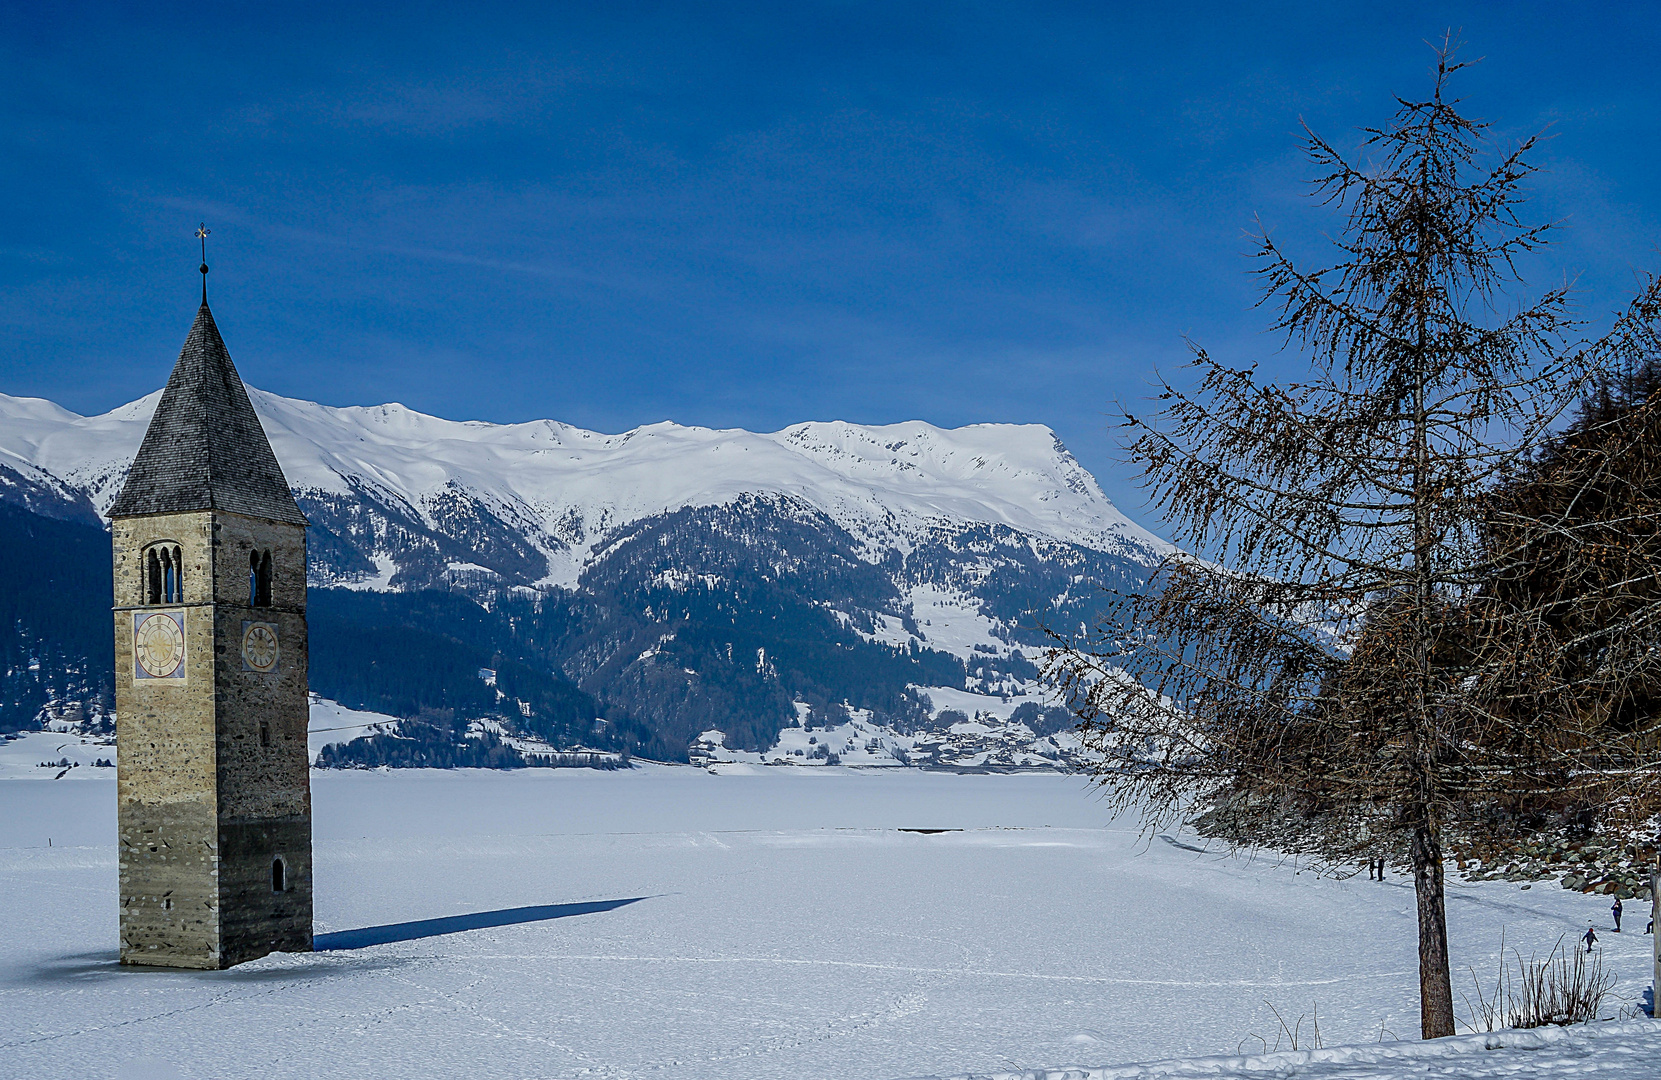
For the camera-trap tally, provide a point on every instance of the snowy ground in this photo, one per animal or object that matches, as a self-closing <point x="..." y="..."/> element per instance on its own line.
<point x="989" y="737"/>
<point x="56" y="755"/>
<point x="71" y="753"/>
<point x="971" y="744"/>
<point x="332" y="722"/>
<point x="789" y="929"/>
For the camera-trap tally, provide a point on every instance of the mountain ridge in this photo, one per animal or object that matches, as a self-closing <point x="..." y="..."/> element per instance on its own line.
<point x="641" y="589"/>
<point x="563" y="487"/>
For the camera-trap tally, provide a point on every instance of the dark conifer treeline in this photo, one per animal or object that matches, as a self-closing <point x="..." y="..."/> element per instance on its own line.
<point x="751" y="647"/>
<point x="727" y="616"/>
<point x="433" y="741"/>
<point x="55" y="607"/>
<point x="419" y="655"/>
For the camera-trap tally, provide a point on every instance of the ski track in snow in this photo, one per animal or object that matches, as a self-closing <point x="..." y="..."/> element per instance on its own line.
<point x="791" y="930"/>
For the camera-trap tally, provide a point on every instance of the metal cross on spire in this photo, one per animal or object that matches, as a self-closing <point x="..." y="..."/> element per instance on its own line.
<point x="202" y="232"/>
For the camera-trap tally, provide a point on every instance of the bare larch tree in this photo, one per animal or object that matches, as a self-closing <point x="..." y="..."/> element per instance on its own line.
<point x="1568" y="624"/>
<point x="1331" y="670"/>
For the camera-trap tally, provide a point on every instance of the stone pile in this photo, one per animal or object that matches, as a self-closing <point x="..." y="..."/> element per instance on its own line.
<point x="1593" y="865"/>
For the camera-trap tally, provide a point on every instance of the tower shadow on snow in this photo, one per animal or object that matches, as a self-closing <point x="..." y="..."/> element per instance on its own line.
<point x="453" y="924"/>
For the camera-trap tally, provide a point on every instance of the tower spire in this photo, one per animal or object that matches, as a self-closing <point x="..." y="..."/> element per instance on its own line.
<point x="202" y="232"/>
<point x="205" y="448"/>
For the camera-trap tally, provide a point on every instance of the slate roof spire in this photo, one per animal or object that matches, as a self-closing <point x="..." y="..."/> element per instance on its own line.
<point x="205" y="448"/>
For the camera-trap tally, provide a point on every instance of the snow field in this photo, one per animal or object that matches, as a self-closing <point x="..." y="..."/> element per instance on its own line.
<point x="23" y="754"/>
<point x="332" y="722"/>
<point x="789" y="928"/>
<point x="990" y="741"/>
<point x="1628" y="1049"/>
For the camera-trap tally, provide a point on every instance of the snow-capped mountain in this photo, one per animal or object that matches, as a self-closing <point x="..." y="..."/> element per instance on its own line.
<point x="558" y="490"/>
<point x="884" y="558"/>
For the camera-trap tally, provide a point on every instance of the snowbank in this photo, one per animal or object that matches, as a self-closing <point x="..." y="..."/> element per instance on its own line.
<point x="1629" y="1049"/>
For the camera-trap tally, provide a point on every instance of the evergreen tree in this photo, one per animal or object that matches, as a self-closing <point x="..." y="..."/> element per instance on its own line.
<point x="1342" y="662"/>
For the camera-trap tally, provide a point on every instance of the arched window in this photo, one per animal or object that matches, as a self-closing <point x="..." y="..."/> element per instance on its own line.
<point x="172" y="589"/>
<point x="164" y="574"/>
<point x="265" y="733"/>
<point x="279" y="876"/>
<point x="259" y="578"/>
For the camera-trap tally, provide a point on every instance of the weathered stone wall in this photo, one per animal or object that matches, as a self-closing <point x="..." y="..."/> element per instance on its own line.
<point x="264" y="781"/>
<point x="170" y="906"/>
<point x="256" y="919"/>
<point x="213" y="770"/>
<point x="166" y="759"/>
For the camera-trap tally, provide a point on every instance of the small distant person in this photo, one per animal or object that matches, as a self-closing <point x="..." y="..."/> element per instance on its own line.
<point x="1615" y="910"/>
<point x="1590" y="938"/>
<point x="1378" y="869"/>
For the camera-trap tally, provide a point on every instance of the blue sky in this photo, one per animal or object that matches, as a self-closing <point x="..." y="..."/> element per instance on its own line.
<point x="740" y="215"/>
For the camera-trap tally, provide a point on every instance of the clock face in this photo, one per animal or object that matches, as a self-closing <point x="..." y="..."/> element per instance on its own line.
<point x="259" y="646"/>
<point x="159" y="645"/>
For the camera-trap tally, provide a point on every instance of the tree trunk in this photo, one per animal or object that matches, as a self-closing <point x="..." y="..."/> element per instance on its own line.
<point x="1435" y="980"/>
<point x="1655" y="942"/>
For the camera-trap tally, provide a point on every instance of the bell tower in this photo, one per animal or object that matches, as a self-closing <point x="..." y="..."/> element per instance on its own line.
<point x="213" y="776"/>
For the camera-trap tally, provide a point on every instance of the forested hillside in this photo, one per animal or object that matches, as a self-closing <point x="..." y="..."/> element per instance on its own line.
<point x="55" y="605"/>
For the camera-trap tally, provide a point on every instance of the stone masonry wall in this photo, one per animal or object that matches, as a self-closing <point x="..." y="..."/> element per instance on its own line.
<point x="213" y="770"/>
<point x="166" y="764"/>
<point x="264" y="778"/>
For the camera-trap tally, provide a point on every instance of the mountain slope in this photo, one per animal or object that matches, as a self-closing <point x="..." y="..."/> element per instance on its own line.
<point x="684" y="578"/>
<point x="55" y="613"/>
<point x="562" y="488"/>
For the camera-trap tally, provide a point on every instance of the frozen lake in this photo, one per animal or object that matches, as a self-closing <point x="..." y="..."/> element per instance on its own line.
<point x="788" y="929"/>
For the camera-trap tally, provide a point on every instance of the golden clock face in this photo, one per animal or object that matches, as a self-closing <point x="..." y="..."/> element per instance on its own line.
<point x="159" y="645"/>
<point x="259" y="647"/>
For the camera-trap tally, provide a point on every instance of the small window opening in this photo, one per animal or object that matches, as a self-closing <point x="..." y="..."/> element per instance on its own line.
<point x="173" y="576"/>
<point x="259" y="578"/>
<point x="164" y="575"/>
<point x="279" y="876"/>
<point x="265" y="733"/>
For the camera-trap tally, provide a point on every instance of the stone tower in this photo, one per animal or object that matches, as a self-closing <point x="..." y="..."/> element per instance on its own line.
<point x="210" y="680"/>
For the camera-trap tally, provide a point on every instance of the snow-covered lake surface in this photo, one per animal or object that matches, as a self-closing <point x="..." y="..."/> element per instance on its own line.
<point x="789" y="928"/>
